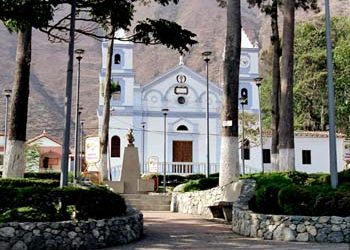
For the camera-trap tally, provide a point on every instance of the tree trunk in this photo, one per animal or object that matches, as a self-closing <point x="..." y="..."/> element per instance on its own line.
<point x="286" y="129"/>
<point x="104" y="137"/>
<point x="15" y="157"/>
<point x="229" y="161"/>
<point x="276" y="85"/>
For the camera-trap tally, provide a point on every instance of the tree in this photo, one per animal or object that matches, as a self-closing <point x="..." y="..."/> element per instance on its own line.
<point x="286" y="129"/>
<point x="20" y="17"/>
<point x="310" y="88"/>
<point x="229" y="160"/>
<point x="271" y="8"/>
<point x="32" y="154"/>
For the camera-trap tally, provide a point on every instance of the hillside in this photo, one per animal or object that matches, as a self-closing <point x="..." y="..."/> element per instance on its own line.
<point x="48" y="75"/>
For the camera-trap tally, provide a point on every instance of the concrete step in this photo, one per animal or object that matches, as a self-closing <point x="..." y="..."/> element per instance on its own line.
<point x="149" y="202"/>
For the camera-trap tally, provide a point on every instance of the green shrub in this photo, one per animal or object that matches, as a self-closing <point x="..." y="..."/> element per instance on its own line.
<point x="43" y="175"/>
<point x="266" y="198"/>
<point x="29" y="183"/>
<point x="296" y="177"/>
<point x="56" y="204"/>
<point x="296" y="200"/>
<point x="201" y="184"/>
<point x="95" y="203"/>
<point x="318" y="179"/>
<point x="214" y="175"/>
<point x="28" y="214"/>
<point x="194" y="177"/>
<point x="344" y="176"/>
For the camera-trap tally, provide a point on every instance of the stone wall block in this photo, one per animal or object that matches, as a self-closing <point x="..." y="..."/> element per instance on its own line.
<point x="336" y="220"/>
<point x="311" y="230"/>
<point x="336" y="237"/>
<point x="303" y="237"/>
<point x="301" y="228"/>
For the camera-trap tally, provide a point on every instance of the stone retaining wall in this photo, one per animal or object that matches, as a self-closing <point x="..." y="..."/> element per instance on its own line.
<point x="71" y="235"/>
<point x="197" y="202"/>
<point x="286" y="228"/>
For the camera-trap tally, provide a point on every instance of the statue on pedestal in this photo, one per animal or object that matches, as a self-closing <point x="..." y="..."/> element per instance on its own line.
<point x="130" y="137"/>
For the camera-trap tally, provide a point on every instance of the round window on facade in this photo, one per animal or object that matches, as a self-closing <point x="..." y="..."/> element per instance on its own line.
<point x="181" y="100"/>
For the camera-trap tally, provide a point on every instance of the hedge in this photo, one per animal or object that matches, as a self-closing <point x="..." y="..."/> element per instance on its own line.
<point x="297" y="193"/>
<point x="56" y="204"/>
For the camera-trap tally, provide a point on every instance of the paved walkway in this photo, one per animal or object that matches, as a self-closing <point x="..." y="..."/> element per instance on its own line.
<point x="165" y="230"/>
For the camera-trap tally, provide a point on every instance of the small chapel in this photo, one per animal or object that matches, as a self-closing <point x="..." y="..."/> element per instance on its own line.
<point x="168" y="114"/>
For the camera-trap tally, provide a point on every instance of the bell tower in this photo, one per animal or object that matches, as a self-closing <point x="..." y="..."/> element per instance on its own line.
<point x="122" y="70"/>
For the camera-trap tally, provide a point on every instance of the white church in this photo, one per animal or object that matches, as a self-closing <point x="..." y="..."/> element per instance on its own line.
<point x="173" y="107"/>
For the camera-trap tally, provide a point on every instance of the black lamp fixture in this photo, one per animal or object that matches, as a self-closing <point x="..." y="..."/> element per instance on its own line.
<point x="258" y="81"/>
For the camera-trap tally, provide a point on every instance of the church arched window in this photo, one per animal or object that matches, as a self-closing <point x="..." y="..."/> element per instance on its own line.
<point x="182" y="128"/>
<point x="115" y="146"/>
<point x="117" y="59"/>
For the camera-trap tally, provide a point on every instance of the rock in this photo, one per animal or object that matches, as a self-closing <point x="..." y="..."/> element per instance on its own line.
<point x="303" y="237"/>
<point x="301" y="228"/>
<point x="336" y="237"/>
<point x="72" y="234"/>
<point x="311" y="230"/>
<point x="292" y="226"/>
<point x="4" y="245"/>
<point x="277" y="234"/>
<point x="27" y="237"/>
<point x="27" y="226"/>
<point x="100" y="223"/>
<point x="36" y="232"/>
<point x="323" y="219"/>
<point x="19" y="245"/>
<point x="7" y="232"/>
<point x="288" y="234"/>
<point x="95" y="233"/>
<point x="51" y="244"/>
<point x="336" y="220"/>
<point x="336" y="228"/>
<point x="321" y="236"/>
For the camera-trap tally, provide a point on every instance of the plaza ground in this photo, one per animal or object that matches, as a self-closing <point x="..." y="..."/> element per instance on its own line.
<point x="165" y="230"/>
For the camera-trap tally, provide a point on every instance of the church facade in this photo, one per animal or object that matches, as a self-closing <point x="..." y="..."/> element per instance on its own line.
<point x="174" y="101"/>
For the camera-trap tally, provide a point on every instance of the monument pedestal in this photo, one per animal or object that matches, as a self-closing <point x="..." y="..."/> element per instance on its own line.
<point x="130" y="170"/>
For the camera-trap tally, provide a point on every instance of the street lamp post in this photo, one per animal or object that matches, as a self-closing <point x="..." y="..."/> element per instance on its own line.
<point x="243" y="101"/>
<point x="143" y="146"/>
<point x="82" y="153"/>
<point x="68" y="100"/>
<point x="165" y="113"/>
<point x="331" y="105"/>
<point x="79" y="53"/>
<point x="7" y="93"/>
<point x="206" y="55"/>
<point x="258" y="84"/>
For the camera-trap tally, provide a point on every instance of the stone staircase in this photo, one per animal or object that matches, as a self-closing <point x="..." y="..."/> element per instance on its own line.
<point x="149" y="202"/>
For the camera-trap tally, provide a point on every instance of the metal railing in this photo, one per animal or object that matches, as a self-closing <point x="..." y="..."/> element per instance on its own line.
<point x="179" y="168"/>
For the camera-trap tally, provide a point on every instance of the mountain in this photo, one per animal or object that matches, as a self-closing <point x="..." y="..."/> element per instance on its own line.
<point x="49" y="61"/>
